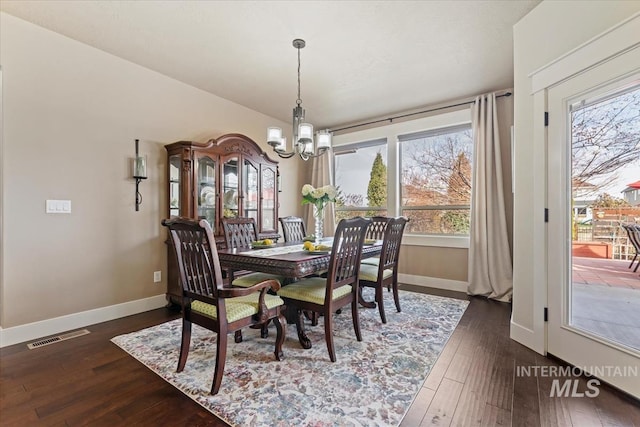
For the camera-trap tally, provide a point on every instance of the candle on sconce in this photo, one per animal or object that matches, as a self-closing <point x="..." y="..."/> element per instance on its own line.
<point x="323" y="139"/>
<point x="140" y="167"/>
<point x="282" y="146"/>
<point x="305" y="133"/>
<point x="274" y="135"/>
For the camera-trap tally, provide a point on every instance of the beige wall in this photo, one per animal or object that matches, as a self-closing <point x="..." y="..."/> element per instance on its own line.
<point x="432" y="261"/>
<point x="71" y="114"/>
<point x="550" y="30"/>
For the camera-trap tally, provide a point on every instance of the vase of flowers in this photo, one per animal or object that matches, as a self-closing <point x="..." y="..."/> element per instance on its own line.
<point x="318" y="197"/>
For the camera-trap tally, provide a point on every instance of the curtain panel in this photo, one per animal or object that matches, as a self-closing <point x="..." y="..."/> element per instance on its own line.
<point x="490" y="268"/>
<point x="321" y="174"/>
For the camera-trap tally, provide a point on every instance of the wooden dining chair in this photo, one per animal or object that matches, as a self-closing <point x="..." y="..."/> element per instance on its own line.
<point x="386" y="272"/>
<point x="338" y="289"/>
<point x="239" y="233"/>
<point x="376" y="232"/>
<point x="293" y="228"/>
<point x="206" y="302"/>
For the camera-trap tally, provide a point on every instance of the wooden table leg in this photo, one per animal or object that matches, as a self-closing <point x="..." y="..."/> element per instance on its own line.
<point x="305" y="342"/>
<point x="366" y="304"/>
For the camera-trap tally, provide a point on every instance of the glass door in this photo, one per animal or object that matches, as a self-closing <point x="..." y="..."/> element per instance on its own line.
<point x="174" y="185"/>
<point x="268" y="206"/>
<point x="206" y="189"/>
<point x="593" y="161"/>
<point x="230" y="187"/>
<point x="250" y="191"/>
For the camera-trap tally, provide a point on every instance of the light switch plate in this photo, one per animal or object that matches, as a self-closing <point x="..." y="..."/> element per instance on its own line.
<point x="58" y="206"/>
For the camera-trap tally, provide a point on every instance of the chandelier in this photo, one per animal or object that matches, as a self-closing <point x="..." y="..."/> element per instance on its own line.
<point x="303" y="143"/>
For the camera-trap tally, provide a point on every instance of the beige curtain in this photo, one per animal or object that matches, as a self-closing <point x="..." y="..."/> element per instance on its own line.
<point x="490" y="271"/>
<point x="321" y="174"/>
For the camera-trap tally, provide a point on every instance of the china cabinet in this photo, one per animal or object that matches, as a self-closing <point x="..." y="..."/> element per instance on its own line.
<point x="230" y="176"/>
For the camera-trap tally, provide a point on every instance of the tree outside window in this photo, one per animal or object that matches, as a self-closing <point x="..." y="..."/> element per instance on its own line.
<point x="361" y="179"/>
<point x="436" y="181"/>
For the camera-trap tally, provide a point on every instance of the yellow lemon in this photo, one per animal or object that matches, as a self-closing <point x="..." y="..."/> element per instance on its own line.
<point x="268" y="242"/>
<point x="308" y="246"/>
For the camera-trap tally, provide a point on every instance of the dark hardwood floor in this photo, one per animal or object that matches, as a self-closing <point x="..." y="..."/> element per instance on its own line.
<point x="90" y="381"/>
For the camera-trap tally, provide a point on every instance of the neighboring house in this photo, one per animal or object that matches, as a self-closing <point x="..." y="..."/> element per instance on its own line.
<point x="632" y="193"/>
<point x="584" y="195"/>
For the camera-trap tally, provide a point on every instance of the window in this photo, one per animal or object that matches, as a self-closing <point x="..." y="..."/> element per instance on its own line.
<point x="361" y="179"/>
<point x="427" y="162"/>
<point x="435" y="180"/>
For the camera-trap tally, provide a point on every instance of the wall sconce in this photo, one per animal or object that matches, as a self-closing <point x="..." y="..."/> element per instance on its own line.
<point x="139" y="173"/>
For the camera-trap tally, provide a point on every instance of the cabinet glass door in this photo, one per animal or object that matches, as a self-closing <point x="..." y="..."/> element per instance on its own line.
<point x="250" y="190"/>
<point x="268" y="212"/>
<point x="174" y="185"/>
<point x="206" y="190"/>
<point x="230" y="187"/>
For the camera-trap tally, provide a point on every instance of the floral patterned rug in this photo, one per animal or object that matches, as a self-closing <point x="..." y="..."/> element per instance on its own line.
<point x="373" y="383"/>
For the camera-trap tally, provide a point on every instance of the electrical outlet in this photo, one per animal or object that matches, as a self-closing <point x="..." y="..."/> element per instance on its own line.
<point x="157" y="276"/>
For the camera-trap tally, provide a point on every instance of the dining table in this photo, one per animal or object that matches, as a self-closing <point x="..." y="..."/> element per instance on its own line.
<point x="291" y="261"/>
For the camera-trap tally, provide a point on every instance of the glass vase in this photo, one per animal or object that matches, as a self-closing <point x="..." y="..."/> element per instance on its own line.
<point x="318" y="214"/>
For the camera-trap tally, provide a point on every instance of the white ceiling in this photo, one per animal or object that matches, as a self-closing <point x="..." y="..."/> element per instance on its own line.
<point x="363" y="59"/>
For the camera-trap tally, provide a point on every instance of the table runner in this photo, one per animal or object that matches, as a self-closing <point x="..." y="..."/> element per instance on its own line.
<point x="280" y="250"/>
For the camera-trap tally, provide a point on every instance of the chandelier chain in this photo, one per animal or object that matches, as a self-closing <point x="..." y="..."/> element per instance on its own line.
<point x="299" y="100"/>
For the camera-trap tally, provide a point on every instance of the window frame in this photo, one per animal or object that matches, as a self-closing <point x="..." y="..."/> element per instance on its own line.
<point x="392" y="134"/>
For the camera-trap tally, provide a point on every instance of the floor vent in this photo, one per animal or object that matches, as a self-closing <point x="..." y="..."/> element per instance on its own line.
<point x="57" y="338"/>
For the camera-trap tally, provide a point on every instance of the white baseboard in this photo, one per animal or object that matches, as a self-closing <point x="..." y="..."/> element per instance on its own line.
<point x="433" y="282"/>
<point x="43" y="328"/>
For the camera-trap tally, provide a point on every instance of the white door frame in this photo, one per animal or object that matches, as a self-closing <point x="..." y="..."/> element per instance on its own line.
<point x="548" y="87"/>
<point x="579" y="347"/>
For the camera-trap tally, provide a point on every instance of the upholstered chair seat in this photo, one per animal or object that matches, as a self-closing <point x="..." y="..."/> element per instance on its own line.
<point x="238" y="307"/>
<point x="312" y="290"/>
<point x="251" y="279"/>
<point x="370" y="272"/>
<point x="371" y="261"/>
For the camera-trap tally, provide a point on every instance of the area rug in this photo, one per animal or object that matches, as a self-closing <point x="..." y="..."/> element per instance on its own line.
<point x="373" y="382"/>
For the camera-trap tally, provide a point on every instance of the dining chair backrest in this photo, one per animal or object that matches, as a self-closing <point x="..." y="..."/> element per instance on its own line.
<point x="293" y="228"/>
<point x="239" y="232"/>
<point x="391" y="243"/>
<point x="377" y="227"/>
<point x="198" y="263"/>
<point x="346" y="253"/>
